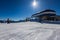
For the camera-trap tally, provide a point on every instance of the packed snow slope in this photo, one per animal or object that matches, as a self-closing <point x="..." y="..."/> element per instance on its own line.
<point x="29" y="31"/>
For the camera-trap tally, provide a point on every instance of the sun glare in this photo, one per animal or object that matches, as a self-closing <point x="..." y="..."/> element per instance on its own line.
<point x="34" y="3"/>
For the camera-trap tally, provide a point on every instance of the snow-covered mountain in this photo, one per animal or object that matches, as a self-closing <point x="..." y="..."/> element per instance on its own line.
<point x="29" y="31"/>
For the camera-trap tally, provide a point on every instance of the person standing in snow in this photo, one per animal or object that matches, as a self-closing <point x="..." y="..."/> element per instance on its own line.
<point x="8" y="21"/>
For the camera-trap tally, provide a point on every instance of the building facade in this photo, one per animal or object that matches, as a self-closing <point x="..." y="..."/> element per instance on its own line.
<point x="47" y="15"/>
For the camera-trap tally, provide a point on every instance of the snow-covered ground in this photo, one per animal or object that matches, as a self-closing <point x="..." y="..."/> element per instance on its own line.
<point x="29" y="31"/>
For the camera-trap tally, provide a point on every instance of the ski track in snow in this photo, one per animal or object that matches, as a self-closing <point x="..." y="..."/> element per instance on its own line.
<point x="29" y="31"/>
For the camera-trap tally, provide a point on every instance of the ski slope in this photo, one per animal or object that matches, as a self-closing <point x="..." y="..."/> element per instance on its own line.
<point x="29" y="31"/>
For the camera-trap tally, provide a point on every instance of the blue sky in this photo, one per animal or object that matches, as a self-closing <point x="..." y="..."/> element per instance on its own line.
<point x="20" y="9"/>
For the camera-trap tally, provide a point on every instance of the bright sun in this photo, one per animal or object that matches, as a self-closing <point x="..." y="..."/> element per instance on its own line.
<point x="34" y="3"/>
